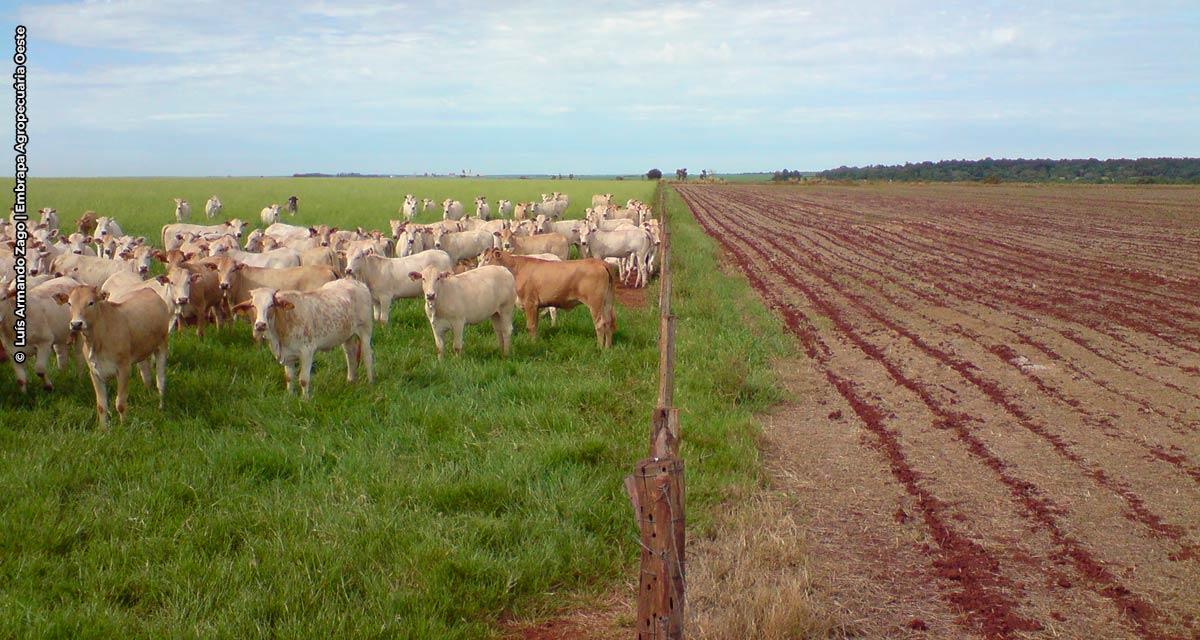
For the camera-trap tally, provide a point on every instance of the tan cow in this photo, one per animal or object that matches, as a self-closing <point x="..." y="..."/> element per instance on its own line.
<point x="116" y="336"/>
<point x="298" y="324"/>
<point x="237" y="279"/>
<point x="566" y="284"/>
<point x="555" y="243"/>
<point x="454" y="301"/>
<point x="48" y="326"/>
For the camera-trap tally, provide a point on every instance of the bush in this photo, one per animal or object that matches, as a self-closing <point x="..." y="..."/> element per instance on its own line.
<point x="654" y="174"/>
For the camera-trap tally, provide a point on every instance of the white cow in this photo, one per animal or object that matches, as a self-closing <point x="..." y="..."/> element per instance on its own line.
<point x="48" y="217"/>
<point x="409" y="210"/>
<point x="452" y="209"/>
<point x="89" y="270"/>
<point x="461" y="244"/>
<point x="630" y="246"/>
<point x="212" y="208"/>
<point x="297" y="324"/>
<point x="182" y="210"/>
<point x="483" y="210"/>
<point x="504" y="208"/>
<point x="269" y="214"/>
<point x="387" y="278"/>
<point x="454" y="301"/>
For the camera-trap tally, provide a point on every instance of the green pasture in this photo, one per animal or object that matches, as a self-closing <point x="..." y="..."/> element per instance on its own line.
<point x="432" y="504"/>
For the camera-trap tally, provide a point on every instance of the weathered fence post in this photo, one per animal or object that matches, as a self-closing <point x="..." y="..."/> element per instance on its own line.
<point x="659" y="486"/>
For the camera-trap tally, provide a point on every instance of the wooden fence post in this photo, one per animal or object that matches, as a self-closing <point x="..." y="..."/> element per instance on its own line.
<point x="658" y="485"/>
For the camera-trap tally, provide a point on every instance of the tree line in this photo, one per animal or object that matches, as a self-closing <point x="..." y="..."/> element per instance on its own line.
<point x="1139" y="171"/>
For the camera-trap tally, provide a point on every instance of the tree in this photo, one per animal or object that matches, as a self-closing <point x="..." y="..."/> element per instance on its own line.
<point x="681" y="174"/>
<point x="654" y="174"/>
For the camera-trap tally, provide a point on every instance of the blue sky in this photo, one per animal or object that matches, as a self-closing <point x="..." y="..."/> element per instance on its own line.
<point x="167" y="87"/>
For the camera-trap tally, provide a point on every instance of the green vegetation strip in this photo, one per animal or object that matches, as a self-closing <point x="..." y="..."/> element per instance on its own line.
<point x="429" y="505"/>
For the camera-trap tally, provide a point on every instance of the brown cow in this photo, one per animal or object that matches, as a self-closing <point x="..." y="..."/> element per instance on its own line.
<point x="544" y="283"/>
<point x="117" y="335"/>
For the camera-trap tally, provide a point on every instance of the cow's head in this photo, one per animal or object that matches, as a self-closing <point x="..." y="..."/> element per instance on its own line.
<point x="83" y="300"/>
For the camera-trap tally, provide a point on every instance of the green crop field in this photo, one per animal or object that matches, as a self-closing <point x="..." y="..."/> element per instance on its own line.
<point x="432" y="504"/>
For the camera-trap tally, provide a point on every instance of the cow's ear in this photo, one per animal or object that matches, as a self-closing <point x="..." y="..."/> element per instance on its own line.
<point x="240" y="266"/>
<point x="163" y="280"/>
<point x="211" y="266"/>
<point x="242" y="307"/>
<point x="104" y="295"/>
<point x="445" y="274"/>
<point x="414" y="275"/>
<point x="284" y="304"/>
<point x="60" y="298"/>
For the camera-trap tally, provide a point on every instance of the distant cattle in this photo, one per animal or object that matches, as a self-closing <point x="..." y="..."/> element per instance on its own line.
<point x="293" y="205"/>
<point x="182" y="210"/>
<point x="212" y="208"/>
<point x="452" y="209"/>
<point x="269" y="214"/>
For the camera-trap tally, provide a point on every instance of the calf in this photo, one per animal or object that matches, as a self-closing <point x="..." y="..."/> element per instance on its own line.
<point x="387" y="278"/>
<point x="117" y="335"/>
<point x="298" y="324"/>
<point x="293" y="205"/>
<point x="565" y="285"/>
<point x="453" y="301"/>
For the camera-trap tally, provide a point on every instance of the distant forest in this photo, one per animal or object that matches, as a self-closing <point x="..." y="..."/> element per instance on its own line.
<point x="1140" y="171"/>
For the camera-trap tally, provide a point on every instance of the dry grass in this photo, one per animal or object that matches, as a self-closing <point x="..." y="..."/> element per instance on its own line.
<point x="751" y="578"/>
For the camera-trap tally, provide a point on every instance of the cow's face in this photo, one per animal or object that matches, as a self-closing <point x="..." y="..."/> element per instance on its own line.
<point x="180" y="281"/>
<point x="263" y="301"/>
<point x="356" y="258"/>
<point x="83" y="300"/>
<point x="431" y="284"/>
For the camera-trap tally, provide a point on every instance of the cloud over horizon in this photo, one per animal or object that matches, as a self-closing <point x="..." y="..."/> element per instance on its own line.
<point x="606" y="87"/>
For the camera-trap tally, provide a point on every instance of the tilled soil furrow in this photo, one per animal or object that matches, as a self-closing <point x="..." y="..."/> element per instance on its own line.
<point x="880" y="307"/>
<point x="1137" y="509"/>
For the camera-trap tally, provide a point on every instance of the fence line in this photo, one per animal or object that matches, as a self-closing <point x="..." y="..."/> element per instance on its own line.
<point x="656" y="488"/>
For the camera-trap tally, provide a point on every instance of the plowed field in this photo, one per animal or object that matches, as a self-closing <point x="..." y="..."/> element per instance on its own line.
<point x="996" y="423"/>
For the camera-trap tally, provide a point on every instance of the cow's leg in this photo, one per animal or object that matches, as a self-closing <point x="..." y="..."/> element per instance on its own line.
<point x="160" y="374"/>
<point x="385" y="310"/>
<point x="458" y="337"/>
<point x="289" y="374"/>
<point x="306" y="362"/>
<point x="600" y="322"/>
<point x="368" y="356"/>
<point x="43" y="359"/>
<point x="501" y="337"/>
<point x="62" y="353"/>
<point x="439" y="340"/>
<point x="101" y="389"/>
<point x="122" y="388"/>
<point x="145" y="371"/>
<point x="201" y="319"/>
<point x="531" y="319"/>
<point x="350" y="348"/>
<point x="553" y="316"/>
<point x="19" y="371"/>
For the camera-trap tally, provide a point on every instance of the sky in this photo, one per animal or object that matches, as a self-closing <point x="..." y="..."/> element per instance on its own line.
<point x="213" y="88"/>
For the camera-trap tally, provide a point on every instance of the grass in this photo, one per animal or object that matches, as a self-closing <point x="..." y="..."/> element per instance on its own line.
<point x="428" y="505"/>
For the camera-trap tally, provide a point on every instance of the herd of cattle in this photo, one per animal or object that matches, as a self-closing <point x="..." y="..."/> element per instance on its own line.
<point x="310" y="289"/>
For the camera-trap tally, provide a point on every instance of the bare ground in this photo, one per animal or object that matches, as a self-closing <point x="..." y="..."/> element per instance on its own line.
<point x="997" y="402"/>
